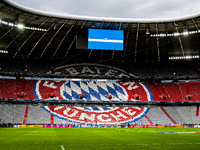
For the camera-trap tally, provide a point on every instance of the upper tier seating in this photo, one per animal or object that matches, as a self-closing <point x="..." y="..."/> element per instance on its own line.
<point x="175" y="92"/>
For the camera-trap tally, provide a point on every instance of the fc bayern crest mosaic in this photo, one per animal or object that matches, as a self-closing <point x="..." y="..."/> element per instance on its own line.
<point x="94" y="91"/>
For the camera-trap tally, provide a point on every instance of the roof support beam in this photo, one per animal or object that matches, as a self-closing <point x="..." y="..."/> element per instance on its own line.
<point x="4" y="6"/>
<point x="73" y="40"/>
<point x="113" y="52"/>
<point x="13" y="28"/>
<point x="136" y="42"/>
<point x="102" y="25"/>
<point x="158" y="45"/>
<point x="7" y="13"/>
<point x="92" y="49"/>
<point x="103" y="50"/>
<point x="63" y="40"/>
<point x="168" y="41"/>
<point x="192" y="43"/>
<point x="41" y="38"/>
<point x="128" y="30"/>
<point x="70" y="46"/>
<point x="181" y="45"/>
<point x="189" y="35"/>
<point x="195" y="24"/>
<point x="18" y="35"/>
<point x="53" y="37"/>
<point x="179" y="38"/>
<point x="29" y="37"/>
<point x="120" y="25"/>
<point x="147" y="42"/>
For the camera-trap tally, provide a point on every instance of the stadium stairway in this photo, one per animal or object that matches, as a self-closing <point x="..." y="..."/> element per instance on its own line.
<point x="25" y="115"/>
<point x="197" y="111"/>
<point x="158" y="92"/>
<point x="167" y="115"/>
<point x="175" y="114"/>
<point x="148" y="119"/>
<point x="174" y="91"/>
<point x="52" y="119"/>
<point x="157" y="116"/>
<point x="188" y="91"/>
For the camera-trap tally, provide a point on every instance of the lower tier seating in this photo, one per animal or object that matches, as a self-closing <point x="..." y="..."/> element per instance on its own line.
<point x="98" y="115"/>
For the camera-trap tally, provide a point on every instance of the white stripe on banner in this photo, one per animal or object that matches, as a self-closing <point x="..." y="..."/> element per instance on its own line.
<point x="106" y="40"/>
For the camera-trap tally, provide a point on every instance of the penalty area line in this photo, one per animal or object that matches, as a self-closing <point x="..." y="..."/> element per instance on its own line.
<point x="62" y="147"/>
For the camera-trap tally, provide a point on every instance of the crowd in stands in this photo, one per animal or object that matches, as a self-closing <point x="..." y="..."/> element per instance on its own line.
<point x="6" y="125"/>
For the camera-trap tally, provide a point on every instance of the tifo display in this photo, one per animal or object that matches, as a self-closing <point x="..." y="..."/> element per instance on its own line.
<point x="98" y="91"/>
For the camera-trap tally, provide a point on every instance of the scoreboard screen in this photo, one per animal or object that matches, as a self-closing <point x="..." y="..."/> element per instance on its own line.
<point x="105" y="39"/>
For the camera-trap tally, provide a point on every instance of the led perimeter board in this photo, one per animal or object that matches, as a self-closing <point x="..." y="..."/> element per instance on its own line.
<point x="105" y="39"/>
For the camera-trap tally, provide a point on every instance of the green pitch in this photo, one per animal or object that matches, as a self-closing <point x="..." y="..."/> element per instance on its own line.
<point x="102" y="138"/>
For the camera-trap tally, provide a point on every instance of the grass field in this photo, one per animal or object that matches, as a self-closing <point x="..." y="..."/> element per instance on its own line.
<point x="102" y="138"/>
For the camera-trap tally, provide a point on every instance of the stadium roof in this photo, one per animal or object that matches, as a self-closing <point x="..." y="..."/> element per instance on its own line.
<point x="30" y="34"/>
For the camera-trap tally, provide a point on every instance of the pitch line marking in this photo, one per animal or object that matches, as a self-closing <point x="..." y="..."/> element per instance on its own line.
<point x="156" y="144"/>
<point x="62" y="147"/>
<point x="174" y="132"/>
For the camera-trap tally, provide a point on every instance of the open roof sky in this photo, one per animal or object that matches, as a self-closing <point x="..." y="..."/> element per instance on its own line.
<point x="117" y="8"/>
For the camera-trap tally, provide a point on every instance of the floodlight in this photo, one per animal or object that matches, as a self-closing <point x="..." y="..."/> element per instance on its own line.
<point x="11" y="24"/>
<point x="20" y="26"/>
<point x="176" y="34"/>
<point x="185" y="33"/>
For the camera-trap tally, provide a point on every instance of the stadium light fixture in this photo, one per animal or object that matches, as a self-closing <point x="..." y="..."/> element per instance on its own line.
<point x="3" y="51"/>
<point x="185" y="33"/>
<point x="20" y="26"/>
<point x="183" y="57"/>
<point x="11" y="24"/>
<point x="162" y="34"/>
<point x="175" y="34"/>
